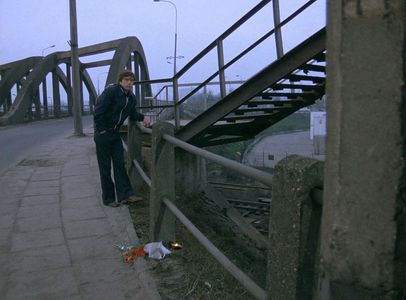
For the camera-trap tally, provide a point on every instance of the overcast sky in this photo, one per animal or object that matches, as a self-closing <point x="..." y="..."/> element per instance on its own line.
<point x="28" y="26"/>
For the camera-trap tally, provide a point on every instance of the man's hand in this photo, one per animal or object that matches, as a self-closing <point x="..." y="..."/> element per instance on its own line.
<point x="146" y="122"/>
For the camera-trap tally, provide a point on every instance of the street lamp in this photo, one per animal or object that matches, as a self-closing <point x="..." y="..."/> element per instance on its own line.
<point x="47" y="48"/>
<point x="176" y="34"/>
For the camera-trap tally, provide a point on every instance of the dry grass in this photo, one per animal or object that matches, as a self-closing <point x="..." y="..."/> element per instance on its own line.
<point x="192" y="273"/>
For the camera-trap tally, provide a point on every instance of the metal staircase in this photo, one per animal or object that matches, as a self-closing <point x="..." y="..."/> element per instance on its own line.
<point x="294" y="81"/>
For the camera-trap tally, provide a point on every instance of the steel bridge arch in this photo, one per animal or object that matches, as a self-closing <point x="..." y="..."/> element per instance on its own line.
<point x="15" y="74"/>
<point x="129" y="49"/>
<point x="31" y="72"/>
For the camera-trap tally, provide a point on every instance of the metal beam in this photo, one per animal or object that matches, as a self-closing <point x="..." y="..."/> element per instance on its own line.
<point x="95" y="64"/>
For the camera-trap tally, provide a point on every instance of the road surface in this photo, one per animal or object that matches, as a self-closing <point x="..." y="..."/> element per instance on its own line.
<point x="18" y="140"/>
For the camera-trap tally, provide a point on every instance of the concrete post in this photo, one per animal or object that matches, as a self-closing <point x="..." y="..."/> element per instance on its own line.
<point x="162" y="221"/>
<point x="294" y="229"/>
<point x="191" y="172"/>
<point x="364" y="210"/>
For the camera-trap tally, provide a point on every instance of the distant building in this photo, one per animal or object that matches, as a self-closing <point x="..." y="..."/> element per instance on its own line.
<point x="318" y="124"/>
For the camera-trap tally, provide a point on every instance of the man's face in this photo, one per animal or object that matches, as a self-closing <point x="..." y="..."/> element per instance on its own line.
<point x="127" y="83"/>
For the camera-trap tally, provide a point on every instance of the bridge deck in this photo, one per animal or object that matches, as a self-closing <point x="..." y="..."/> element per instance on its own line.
<point x="56" y="238"/>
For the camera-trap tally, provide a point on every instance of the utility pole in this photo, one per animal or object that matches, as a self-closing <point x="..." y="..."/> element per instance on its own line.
<point x="77" y="118"/>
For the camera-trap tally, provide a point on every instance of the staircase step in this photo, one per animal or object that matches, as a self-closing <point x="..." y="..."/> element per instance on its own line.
<point x="315" y="68"/>
<point x="296" y="77"/>
<point x="303" y="87"/>
<point x="289" y="95"/>
<point x="234" y="118"/>
<point x="321" y="57"/>
<point x="255" y="103"/>
<point x="242" y="111"/>
<point x="265" y="99"/>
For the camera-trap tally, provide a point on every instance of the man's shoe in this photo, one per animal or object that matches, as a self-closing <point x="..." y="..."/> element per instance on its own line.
<point x="133" y="199"/>
<point x="113" y="204"/>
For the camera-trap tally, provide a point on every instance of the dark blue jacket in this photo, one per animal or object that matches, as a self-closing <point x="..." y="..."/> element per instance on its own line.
<point x="113" y="106"/>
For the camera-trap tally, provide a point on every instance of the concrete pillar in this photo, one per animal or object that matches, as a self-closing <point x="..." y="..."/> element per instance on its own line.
<point x="191" y="172"/>
<point x="364" y="209"/>
<point x="294" y="227"/>
<point x="45" y="97"/>
<point x="56" y="95"/>
<point x="162" y="221"/>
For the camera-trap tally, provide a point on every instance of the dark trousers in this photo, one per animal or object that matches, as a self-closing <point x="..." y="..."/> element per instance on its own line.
<point x="109" y="148"/>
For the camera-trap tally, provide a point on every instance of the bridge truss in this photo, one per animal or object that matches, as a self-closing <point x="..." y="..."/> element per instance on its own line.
<point x="25" y="94"/>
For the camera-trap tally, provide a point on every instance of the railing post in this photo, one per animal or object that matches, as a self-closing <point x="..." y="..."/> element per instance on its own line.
<point x="294" y="229"/>
<point x="278" y="32"/>
<point x="222" y="77"/>
<point x="162" y="221"/>
<point x="134" y="152"/>
<point x="175" y="102"/>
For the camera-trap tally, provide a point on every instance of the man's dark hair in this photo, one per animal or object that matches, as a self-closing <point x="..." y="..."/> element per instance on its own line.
<point x="125" y="73"/>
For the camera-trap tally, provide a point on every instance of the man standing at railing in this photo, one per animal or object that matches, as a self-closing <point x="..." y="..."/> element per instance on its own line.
<point x="115" y="104"/>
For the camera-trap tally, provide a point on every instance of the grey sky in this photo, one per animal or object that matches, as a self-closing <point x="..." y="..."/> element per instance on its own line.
<point x="27" y="27"/>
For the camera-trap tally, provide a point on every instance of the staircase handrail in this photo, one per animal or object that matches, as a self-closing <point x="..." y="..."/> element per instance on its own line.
<point x="218" y="43"/>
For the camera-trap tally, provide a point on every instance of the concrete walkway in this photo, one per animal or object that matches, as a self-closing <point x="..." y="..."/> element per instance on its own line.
<point x="56" y="238"/>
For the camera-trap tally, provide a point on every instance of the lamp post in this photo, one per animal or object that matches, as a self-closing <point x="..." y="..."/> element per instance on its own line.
<point x="77" y="118"/>
<point x="47" y="48"/>
<point x="176" y="34"/>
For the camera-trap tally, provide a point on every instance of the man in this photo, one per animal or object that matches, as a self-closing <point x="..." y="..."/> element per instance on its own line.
<point x="115" y="104"/>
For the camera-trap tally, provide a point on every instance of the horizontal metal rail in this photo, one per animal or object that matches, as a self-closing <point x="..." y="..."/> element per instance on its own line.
<point x="144" y="175"/>
<point x="256" y="174"/>
<point x="244" y="52"/>
<point x="230" y="30"/>
<point x="247" y="282"/>
<point x="263" y="177"/>
<point x="222" y="67"/>
<point x="239" y="185"/>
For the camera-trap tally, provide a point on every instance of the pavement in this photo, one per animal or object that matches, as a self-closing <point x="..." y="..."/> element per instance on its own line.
<point x="56" y="238"/>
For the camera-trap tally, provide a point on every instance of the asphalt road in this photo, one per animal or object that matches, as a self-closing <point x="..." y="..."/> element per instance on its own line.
<point x="18" y="140"/>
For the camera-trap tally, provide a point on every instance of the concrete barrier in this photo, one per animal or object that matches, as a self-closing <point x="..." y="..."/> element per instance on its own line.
<point x="293" y="257"/>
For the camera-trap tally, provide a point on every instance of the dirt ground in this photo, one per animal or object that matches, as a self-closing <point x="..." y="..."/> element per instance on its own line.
<point x="191" y="272"/>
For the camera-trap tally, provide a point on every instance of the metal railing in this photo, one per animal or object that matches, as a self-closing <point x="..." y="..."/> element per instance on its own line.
<point x="163" y="139"/>
<point x="244" y="170"/>
<point x="218" y="46"/>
